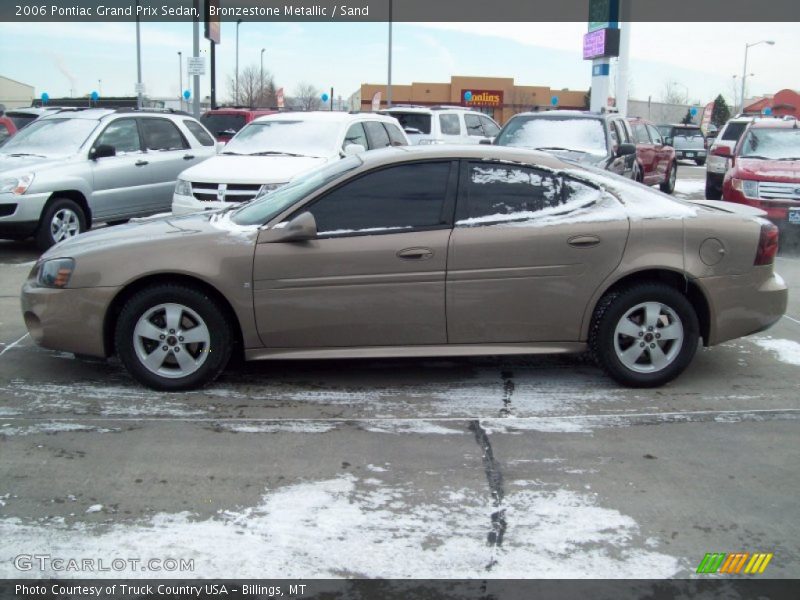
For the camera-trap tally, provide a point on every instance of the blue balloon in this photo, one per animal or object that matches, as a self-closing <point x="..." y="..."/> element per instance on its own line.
<point x="94" y="96"/>
<point x="45" y="97"/>
<point x="554" y="100"/>
<point x="325" y="97"/>
<point x="468" y="96"/>
<point x="768" y="111"/>
<point x="187" y="94"/>
<point x="693" y="111"/>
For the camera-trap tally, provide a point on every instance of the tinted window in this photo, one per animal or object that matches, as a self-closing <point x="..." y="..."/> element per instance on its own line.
<point x="200" y="134"/>
<point x="395" y="135"/>
<point x="161" y="134"/>
<point x="473" y="124"/>
<point x="499" y="193"/>
<point x="412" y="120"/>
<point x="449" y="125"/>
<point x="640" y="133"/>
<point x="377" y="135"/>
<point x="490" y="128"/>
<point x="356" y="135"/>
<point x="123" y="134"/>
<point x="393" y="199"/>
<point x="219" y="124"/>
<point x="21" y="119"/>
<point x="654" y="134"/>
<point x="733" y="131"/>
<point x="622" y="133"/>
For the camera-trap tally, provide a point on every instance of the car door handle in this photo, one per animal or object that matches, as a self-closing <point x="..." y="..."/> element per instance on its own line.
<point x="415" y="254"/>
<point x="141" y="163"/>
<point x="188" y="156"/>
<point x="583" y="241"/>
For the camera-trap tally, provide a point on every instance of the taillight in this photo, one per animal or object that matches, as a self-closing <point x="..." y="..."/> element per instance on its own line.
<point x="767" y="244"/>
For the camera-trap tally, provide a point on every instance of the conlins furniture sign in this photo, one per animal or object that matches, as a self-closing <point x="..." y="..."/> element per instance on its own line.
<point x="482" y="98"/>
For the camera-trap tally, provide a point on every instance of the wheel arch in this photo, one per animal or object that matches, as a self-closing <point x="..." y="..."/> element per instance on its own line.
<point x="131" y="288"/>
<point x="77" y="197"/>
<point x="672" y="277"/>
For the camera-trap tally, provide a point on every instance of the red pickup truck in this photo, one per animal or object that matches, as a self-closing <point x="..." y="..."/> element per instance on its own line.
<point x="655" y="161"/>
<point x="224" y="123"/>
<point x="765" y="170"/>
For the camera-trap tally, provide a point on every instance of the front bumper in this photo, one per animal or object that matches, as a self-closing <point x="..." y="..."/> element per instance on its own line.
<point x="20" y="214"/>
<point x="744" y="304"/>
<point x="71" y="320"/>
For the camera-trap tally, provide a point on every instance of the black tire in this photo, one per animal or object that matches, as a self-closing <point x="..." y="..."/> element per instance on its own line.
<point x="713" y="191"/>
<point x="213" y="355"/>
<point x="610" y="312"/>
<point x="668" y="185"/>
<point x="58" y="205"/>
<point x="700" y="161"/>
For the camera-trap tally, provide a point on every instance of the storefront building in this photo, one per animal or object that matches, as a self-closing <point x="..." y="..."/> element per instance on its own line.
<point x="498" y="97"/>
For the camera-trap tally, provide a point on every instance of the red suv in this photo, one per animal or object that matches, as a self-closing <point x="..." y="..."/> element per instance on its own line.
<point x="655" y="161"/>
<point x="765" y="170"/>
<point x="224" y="123"/>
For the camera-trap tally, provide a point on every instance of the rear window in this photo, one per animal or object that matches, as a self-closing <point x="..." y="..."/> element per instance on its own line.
<point x="688" y="132"/>
<point x="733" y="131"/>
<point x="198" y="132"/>
<point x="222" y="124"/>
<point x="408" y="120"/>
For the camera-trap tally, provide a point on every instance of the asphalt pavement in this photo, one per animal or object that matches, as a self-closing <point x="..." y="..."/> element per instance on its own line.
<point x="490" y="467"/>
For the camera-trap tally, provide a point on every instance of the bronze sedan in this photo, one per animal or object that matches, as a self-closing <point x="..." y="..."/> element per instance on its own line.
<point x="416" y="252"/>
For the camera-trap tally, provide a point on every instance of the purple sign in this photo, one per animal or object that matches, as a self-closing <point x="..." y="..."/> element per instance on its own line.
<point x="594" y="44"/>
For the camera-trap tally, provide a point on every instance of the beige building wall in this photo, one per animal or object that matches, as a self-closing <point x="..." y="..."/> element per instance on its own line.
<point x="14" y="94"/>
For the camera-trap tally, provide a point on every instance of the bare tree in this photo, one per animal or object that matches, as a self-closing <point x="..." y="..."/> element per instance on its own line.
<point x="306" y="97"/>
<point x="254" y="91"/>
<point x="672" y="94"/>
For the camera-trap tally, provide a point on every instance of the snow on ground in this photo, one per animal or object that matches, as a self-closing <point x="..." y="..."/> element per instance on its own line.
<point x="690" y="187"/>
<point x="53" y="427"/>
<point x="343" y="526"/>
<point x="279" y="427"/>
<point x="787" y="351"/>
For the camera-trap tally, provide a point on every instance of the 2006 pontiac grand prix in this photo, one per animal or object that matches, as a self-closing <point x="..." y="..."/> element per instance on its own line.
<point x="416" y="252"/>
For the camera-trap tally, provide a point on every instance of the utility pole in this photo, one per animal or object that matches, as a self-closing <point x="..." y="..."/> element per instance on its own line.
<point x="139" y="99"/>
<point x="238" y="22"/>
<point x="180" y="80"/>
<point x="622" y="60"/>
<point x="196" y="54"/>
<point x="261" y="80"/>
<point x="744" y="71"/>
<point x="389" y="79"/>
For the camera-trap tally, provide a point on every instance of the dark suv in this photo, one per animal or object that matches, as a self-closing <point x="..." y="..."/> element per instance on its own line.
<point x="602" y="140"/>
<point x="224" y="123"/>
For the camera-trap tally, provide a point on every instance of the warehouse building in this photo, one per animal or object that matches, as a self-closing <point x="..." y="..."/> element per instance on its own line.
<point x="14" y="94"/>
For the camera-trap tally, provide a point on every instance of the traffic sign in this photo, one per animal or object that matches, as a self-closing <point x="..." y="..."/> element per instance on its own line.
<point x="139" y="88"/>
<point x="196" y="65"/>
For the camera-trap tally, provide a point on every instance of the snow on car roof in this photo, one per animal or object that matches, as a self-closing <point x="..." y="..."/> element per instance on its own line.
<point x="323" y="115"/>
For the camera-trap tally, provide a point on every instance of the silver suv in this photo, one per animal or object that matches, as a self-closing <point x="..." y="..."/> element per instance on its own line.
<point x="443" y="124"/>
<point x="69" y="170"/>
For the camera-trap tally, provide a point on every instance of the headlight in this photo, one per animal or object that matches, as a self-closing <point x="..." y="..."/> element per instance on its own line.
<point x="183" y="188"/>
<point x="267" y="188"/>
<point x="16" y="185"/>
<point x="55" y="273"/>
<point x="748" y="187"/>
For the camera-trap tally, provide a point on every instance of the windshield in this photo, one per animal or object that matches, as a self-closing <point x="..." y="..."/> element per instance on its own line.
<point x="412" y="120"/>
<point x="264" y="208"/>
<point x="773" y="144"/>
<point x="733" y="131"/>
<point x="220" y="124"/>
<point x="547" y="133"/>
<point x="51" y="137"/>
<point x="21" y="119"/>
<point x="286" y="136"/>
<point x="686" y="132"/>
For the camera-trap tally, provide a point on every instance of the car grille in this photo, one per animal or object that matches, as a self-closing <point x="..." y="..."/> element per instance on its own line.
<point x="225" y="192"/>
<point x="770" y="190"/>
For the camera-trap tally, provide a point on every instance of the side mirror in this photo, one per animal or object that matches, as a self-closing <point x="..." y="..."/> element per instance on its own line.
<point x="102" y="151"/>
<point x="300" y="229"/>
<point x="486" y="141"/>
<point x="626" y="149"/>
<point x="722" y="151"/>
<point x="668" y="141"/>
<point x="353" y="149"/>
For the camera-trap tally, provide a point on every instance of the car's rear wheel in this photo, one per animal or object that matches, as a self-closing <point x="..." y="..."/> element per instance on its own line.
<point x="173" y="337"/>
<point x="668" y="185"/>
<point x="62" y="219"/>
<point x="645" y="335"/>
<point x="700" y="161"/>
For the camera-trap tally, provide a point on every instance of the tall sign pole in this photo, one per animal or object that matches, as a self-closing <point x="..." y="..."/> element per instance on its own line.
<point x="196" y="54"/>
<point x="389" y="79"/>
<point x="139" y="88"/>
<point x="622" y="61"/>
<point x="601" y="43"/>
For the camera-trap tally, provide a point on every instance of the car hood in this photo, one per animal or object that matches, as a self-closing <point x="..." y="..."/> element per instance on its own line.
<point x="190" y="233"/>
<point x="225" y="168"/>
<point x="768" y="170"/>
<point x="13" y="165"/>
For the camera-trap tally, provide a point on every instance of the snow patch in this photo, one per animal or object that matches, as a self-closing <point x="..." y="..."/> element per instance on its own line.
<point x="409" y="426"/>
<point x="690" y="187"/>
<point x="49" y="428"/>
<point x="279" y="427"/>
<point x="94" y="508"/>
<point x="787" y="351"/>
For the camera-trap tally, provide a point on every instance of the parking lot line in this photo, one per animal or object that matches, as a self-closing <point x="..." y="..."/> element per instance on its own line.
<point x="12" y="344"/>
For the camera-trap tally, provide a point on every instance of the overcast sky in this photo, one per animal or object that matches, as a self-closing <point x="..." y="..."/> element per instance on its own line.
<point x="700" y="57"/>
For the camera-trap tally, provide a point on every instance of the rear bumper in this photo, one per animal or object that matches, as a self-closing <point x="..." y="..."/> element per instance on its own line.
<point x="744" y="304"/>
<point x="71" y="320"/>
<point x="690" y="154"/>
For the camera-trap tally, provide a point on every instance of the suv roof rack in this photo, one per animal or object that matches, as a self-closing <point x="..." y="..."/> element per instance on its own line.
<point x="169" y="111"/>
<point x="450" y="107"/>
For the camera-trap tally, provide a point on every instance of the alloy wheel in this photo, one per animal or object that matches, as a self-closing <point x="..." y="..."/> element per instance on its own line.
<point x="65" y="224"/>
<point x="648" y="337"/>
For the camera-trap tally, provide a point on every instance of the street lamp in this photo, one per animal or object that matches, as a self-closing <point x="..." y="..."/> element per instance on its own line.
<point x="744" y="71"/>
<point x="238" y="22"/>
<point x="180" y="80"/>
<point x="261" y="80"/>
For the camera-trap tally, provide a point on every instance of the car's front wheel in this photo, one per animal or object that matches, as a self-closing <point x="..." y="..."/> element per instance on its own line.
<point x="668" y="185"/>
<point x="700" y="161"/>
<point x="645" y="335"/>
<point x="173" y="337"/>
<point x="62" y="219"/>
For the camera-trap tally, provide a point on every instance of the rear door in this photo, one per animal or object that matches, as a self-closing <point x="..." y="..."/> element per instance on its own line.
<point x="663" y="153"/>
<point x="450" y="129"/>
<point x="374" y="276"/>
<point x="377" y="135"/>
<point x="645" y="152"/>
<point x="474" y="128"/>
<point x="168" y="153"/>
<point x="622" y="165"/>
<point x="527" y="253"/>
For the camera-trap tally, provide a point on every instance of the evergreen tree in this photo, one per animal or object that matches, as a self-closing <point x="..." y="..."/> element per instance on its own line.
<point x="721" y="112"/>
<point x="687" y="120"/>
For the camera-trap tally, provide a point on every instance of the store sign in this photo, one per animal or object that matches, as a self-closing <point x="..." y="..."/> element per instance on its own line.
<point x="212" y="24"/>
<point x="601" y="43"/>
<point x="603" y="14"/>
<point x="482" y="97"/>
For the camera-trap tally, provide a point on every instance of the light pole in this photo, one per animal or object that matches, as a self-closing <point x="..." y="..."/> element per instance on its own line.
<point x="389" y="74"/>
<point x="180" y="80"/>
<point x="261" y="80"/>
<point x="139" y="99"/>
<point x="238" y="22"/>
<point x="100" y="87"/>
<point x="744" y="71"/>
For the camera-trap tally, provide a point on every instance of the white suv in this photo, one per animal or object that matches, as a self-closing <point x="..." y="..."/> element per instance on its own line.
<point x="443" y="124"/>
<point x="717" y="166"/>
<point x="269" y="151"/>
